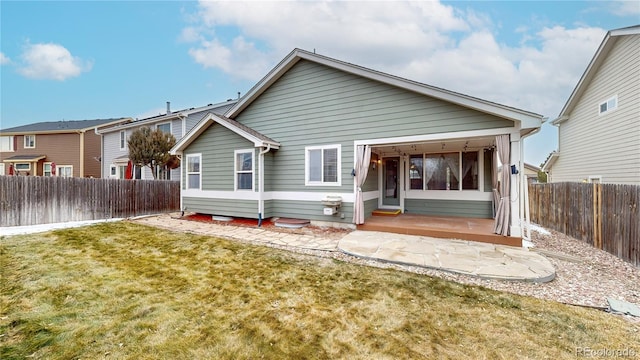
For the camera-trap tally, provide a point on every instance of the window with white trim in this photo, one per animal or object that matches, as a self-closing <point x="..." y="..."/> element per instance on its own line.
<point x="164" y="127"/>
<point x="123" y="140"/>
<point x="322" y="165"/>
<point x="113" y="171"/>
<point x="444" y="171"/>
<point x="6" y="144"/>
<point x="609" y="105"/>
<point x="22" y="166"/>
<point x="194" y="171"/>
<point x="243" y="169"/>
<point x="46" y="169"/>
<point x="29" y="141"/>
<point x="64" y="170"/>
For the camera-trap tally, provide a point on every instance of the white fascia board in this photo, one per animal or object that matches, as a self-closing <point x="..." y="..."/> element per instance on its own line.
<point x="549" y="163"/>
<point x="632" y="30"/>
<point x="203" y="124"/>
<point x="560" y="120"/>
<point x="435" y="137"/>
<point x="589" y="72"/>
<point x="257" y="142"/>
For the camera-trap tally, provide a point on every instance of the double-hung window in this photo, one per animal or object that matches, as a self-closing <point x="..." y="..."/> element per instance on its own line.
<point x="194" y="171"/>
<point x="123" y="140"/>
<point x="29" y="141"/>
<point x="322" y="165"/>
<point x="244" y="169"/>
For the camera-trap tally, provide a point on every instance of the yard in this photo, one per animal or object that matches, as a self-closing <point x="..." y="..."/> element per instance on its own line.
<point x="122" y="290"/>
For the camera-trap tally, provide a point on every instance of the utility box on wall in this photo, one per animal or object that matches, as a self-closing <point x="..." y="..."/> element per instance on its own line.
<point x="331" y="204"/>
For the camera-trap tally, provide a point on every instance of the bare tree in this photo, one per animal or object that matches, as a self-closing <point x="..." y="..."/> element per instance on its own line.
<point x="150" y="148"/>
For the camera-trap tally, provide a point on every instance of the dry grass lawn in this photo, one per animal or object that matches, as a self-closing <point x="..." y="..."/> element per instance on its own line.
<point x="121" y="290"/>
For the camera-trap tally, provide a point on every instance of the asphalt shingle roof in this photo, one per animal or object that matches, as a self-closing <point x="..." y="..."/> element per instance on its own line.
<point x="59" y="125"/>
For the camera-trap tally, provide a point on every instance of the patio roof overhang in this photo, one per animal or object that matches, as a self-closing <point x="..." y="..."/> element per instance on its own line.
<point x="435" y="146"/>
<point x="24" y="158"/>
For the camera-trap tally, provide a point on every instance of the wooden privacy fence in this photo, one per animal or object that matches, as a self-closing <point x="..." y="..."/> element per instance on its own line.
<point x="32" y="200"/>
<point x="606" y="216"/>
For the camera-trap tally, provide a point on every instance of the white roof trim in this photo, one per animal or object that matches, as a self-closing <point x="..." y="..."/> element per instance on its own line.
<point x="203" y="125"/>
<point x="166" y="117"/>
<point x="527" y="119"/>
<point x="550" y="161"/>
<point x="598" y="58"/>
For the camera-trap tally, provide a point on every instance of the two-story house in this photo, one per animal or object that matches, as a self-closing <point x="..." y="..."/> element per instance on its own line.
<point x="115" y="152"/>
<point x="599" y="126"/>
<point x="56" y="148"/>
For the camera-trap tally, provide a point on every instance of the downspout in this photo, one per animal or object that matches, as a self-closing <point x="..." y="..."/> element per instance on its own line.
<point x="524" y="191"/>
<point x="95" y="130"/>
<point x="261" y="183"/>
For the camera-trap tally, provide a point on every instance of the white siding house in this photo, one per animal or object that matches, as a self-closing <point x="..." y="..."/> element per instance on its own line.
<point x="115" y="154"/>
<point x="599" y="126"/>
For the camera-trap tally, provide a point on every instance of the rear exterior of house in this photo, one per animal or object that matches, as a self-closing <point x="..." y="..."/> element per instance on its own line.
<point x="294" y="141"/>
<point x="115" y="151"/>
<point x="62" y="148"/>
<point x="599" y="127"/>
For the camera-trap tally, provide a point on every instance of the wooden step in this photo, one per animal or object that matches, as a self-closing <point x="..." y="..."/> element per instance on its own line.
<point x="386" y="212"/>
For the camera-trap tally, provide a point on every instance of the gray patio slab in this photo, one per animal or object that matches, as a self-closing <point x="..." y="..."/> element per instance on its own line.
<point x="457" y="256"/>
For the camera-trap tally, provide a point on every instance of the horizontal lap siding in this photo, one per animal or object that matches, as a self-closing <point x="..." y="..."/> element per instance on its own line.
<point x="217" y="145"/>
<point x="369" y="207"/>
<point x="225" y="207"/>
<point x="461" y="208"/>
<point x="606" y="145"/>
<point x="311" y="210"/>
<point x="316" y="105"/>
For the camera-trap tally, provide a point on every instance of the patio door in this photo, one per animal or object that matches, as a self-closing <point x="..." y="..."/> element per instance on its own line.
<point x="391" y="182"/>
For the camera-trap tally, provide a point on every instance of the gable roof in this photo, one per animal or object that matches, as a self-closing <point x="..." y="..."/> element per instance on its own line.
<point x="246" y="132"/>
<point x="528" y="120"/>
<point x="601" y="54"/>
<point x="53" y="127"/>
<point x="218" y="108"/>
<point x="551" y="159"/>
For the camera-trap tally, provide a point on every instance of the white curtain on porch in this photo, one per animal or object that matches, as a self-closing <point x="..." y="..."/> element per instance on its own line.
<point x="494" y="182"/>
<point x="363" y="158"/>
<point x="503" y="215"/>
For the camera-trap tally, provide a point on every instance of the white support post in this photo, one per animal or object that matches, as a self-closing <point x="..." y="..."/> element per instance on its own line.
<point x="516" y="186"/>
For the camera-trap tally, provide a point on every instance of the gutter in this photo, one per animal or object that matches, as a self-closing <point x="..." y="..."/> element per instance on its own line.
<point x="524" y="192"/>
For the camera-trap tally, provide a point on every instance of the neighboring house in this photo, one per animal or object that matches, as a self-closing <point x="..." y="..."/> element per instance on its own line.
<point x="304" y="133"/>
<point x="58" y="148"/>
<point x="599" y="126"/>
<point x="115" y="152"/>
<point x="531" y="173"/>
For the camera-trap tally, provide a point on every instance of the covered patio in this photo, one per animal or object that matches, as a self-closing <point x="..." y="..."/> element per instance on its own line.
<point x="463" y="228"/>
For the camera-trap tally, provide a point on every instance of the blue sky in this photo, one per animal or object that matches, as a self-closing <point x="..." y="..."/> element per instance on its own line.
<point x="78" y="60"/>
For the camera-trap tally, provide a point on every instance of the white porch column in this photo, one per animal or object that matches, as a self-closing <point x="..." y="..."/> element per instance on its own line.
<point x="516" y="199"/>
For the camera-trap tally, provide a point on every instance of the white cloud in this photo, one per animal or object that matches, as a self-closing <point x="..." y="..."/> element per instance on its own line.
<point x="51" y="61"/>
<point x="625" y="8"/>
<point x="4" y="60"/>
<point x="429" y="42"/>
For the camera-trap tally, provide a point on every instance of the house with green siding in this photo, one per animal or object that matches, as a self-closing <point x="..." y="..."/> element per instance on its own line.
<point x="321" y="139"/>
